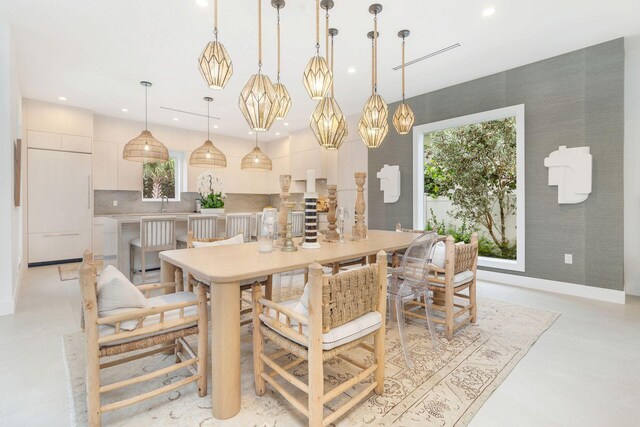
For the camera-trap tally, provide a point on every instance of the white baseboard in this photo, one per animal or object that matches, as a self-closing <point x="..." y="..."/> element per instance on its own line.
<point x="564" y="288"/>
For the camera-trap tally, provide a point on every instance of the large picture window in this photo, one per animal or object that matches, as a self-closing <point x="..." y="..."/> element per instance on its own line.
<point x="161" y="180"/>
<point x="470" y="179"/>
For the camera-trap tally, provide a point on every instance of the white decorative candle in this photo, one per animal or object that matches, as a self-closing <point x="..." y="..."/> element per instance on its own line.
<point x="311" y="180"/>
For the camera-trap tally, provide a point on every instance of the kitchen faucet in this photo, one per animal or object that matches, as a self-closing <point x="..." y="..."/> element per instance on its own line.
<point x="163" y="209"/>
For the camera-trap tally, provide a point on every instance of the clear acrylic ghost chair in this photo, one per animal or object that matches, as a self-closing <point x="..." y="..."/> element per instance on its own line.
<point x="410" y="282"/>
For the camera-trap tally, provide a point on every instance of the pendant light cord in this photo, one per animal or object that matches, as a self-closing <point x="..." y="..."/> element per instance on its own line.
<point x="318" y="27"/>
<point x="259" y="36"/>
<point x="372" y="72"/>
<point x="215" y="19"/>
<point x="403" y="69"/>
<point x="332" y="80"/>
<point x="326" y="32"/>
<point x="278" y="26"/>
<point x="145" y="107"/>
<point x="375" y="53"/>
<point x="208" y="137"/>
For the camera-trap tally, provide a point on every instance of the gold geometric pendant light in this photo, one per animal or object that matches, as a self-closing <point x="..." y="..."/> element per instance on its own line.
<point x="145" y="148"/>
<point x="376" y="113"/>
<point x="403" y="118"/>
<point x="214" y="62"/>
<point x="327" y="121"/>
<point x="281" y="90"/>
<point x="373" y="138"/>
<point x="317" y="76"/>
<point x="208" y="155"/>
<point x="256" y="160"/>
<point x="259" y="100"/>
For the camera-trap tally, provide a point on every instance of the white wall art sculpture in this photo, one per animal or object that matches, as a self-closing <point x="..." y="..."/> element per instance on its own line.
<point x="570" y="169"/>
<point x="390" y="183"/>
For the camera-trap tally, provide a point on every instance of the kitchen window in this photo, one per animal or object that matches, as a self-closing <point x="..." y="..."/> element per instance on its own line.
<point x="160" y="180"/>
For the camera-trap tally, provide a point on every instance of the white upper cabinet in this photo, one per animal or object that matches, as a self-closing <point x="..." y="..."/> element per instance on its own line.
<point x="129" y="173"/>
<point x="53" y="118"/>
<point x="105" y="165"/>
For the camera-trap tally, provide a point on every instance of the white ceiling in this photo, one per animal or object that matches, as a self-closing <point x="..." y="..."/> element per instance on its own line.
<point x="94" y="52"/>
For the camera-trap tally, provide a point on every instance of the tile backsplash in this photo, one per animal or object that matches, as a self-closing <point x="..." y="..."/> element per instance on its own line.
<point x="130" y="202"/>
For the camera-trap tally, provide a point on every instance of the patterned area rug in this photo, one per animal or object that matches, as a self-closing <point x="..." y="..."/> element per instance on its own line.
<point x="446" y="387"/>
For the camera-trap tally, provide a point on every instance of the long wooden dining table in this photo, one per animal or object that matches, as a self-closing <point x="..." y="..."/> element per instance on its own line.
<point x="223" y="267"/>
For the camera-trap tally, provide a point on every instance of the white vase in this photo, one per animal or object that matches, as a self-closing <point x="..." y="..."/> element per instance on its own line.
<point x="212" y="211"/>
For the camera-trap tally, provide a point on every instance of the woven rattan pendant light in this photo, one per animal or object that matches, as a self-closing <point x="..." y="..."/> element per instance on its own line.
<point x="214" y="62"/>
<point x="144" y="147"/>
<point x="208" y="155"/>
<point x="376" y="113"/>
<point x="258" y="100"/>
<point x="256" y="160"/>
<point x="317" y="76"/>
<point x="281" y="90"/>
<point x="403" y="118"/>
<point x="327" y="121"/>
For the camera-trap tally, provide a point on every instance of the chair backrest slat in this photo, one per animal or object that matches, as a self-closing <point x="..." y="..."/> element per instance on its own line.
<point x="202" y="226"/>
<point x="238" y="223"/>
<point x="297" y="224"/>
<point x="157" y="233"/>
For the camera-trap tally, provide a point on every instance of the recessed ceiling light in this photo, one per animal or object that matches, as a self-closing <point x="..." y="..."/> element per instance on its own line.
<point x="124" y="110"/>
<point x="62" y="98"/>
<point x="286" y="123"/>
<point x="215" y="126"/>
<point x="202" y="3"/>
<point x="250" y="133"/>
<point x="488" y="11"/>
<point x="351" y="70"/>
<point x="175" y="119"/>
<point x="277" y="133"/>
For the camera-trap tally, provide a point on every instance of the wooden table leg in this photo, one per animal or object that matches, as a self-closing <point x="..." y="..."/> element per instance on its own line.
<point x="225" y="350"/>
<point x="167" y="274"/>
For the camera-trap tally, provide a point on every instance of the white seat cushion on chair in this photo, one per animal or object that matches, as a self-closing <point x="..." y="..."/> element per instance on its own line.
<point x="459" y="279"/>
<point x="350" y="331"/>
<point x="158" y="301"/>
<point x="232" y="241"/>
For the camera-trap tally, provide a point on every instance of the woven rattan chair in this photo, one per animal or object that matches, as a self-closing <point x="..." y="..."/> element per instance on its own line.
<point x="161" y="327"/>
<point x="203" y="227"/>
<point x="245" y="285"/>
<point x="454" y="307"/>
<point x="352" y="303"/>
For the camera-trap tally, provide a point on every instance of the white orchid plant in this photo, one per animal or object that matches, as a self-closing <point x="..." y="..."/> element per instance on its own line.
<point x="211" y="191"/>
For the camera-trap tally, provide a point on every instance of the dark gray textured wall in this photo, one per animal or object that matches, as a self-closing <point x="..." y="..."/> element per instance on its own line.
<point x="575" y="99"/>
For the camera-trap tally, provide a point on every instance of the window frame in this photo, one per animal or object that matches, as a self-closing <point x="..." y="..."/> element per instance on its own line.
<point x="179" y="159"/>
<point x="419" y="132"/>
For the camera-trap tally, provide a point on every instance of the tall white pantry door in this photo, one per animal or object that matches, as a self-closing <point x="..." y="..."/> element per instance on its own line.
<point x="60" y="205"/>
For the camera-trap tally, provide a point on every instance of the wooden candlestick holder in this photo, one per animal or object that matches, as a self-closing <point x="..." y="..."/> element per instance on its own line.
<point x="285" y="184"/>
<point x="360" y="228"/>
<point x="332" y="235"/>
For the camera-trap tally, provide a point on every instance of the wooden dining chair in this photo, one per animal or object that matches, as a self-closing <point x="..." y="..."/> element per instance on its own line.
<point x="343" y="311"/>
<point x="245" y="285"/>
<point x="452" y="271"/>
<point x="156" y="234"/>
<point x="161" y="326"/>
<point x="202" y="226"/>
<point x="238" y="223"/>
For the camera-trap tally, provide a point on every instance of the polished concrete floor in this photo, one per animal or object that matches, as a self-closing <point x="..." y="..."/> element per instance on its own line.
<point x="584" y="371"/>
